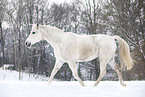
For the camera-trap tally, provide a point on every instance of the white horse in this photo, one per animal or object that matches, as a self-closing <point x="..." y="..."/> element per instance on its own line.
<point x="71" y="48"/>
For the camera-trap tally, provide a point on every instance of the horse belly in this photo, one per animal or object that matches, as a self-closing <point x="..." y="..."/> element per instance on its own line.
<point x="89" y="58"/>
<point x="86" y="53"/>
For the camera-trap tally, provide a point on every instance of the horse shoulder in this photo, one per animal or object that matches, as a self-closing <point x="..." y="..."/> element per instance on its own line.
<point x="66" y="49"/>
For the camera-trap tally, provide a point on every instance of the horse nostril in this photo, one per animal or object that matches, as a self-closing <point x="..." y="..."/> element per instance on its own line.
<point x="28" y="44"/>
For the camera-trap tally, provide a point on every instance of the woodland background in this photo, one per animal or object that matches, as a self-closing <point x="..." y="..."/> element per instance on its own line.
<point x="125" y="18"/>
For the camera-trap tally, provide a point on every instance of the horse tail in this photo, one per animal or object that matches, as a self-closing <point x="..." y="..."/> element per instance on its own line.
<point x="124" y="53"/>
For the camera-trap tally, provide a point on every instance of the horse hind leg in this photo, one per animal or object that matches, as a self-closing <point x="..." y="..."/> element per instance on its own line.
<point x="116" y="68"/>
<point x="102" y="71"/>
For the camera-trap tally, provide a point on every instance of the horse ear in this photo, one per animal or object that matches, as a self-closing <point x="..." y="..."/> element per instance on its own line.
<point x="37" y="25"/>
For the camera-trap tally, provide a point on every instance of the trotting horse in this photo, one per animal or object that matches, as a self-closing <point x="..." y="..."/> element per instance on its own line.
<point x="71" y="48"/>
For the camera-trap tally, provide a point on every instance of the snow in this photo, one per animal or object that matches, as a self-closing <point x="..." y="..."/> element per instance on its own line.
<point x="9" y="75"/>
<point x="10" y="86"/>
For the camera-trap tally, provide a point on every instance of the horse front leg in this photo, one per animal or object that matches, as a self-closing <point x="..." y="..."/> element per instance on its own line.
<point x="73" y="68"/>
<point x="57" y="66"/>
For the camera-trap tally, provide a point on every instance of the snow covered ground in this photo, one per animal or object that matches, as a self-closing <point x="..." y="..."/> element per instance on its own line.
<point x="10" y="86"/>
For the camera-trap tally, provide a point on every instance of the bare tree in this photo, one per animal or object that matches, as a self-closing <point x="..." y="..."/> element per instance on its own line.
<point x="17" y="22"/>
<point x="91" y="14"/>
<point x="3" y="4"/>
<point x="127" y="20"/>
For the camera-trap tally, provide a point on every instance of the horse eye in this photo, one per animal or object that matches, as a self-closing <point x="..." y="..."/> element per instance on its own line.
<point x="33" y="32"/>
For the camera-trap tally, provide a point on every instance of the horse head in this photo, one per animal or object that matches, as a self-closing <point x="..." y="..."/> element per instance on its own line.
<point x="34" y="36"/>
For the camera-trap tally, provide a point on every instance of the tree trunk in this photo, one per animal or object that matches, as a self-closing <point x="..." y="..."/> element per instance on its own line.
<point x="2" y="45"/>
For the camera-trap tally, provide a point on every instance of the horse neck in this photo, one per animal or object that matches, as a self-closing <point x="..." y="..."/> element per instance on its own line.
<point x="54" y="38"/>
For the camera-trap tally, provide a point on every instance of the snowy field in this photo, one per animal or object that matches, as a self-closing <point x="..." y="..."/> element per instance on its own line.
<point x="10" y="86"/>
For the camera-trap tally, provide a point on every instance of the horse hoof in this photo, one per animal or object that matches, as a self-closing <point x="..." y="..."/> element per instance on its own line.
<point x="95" y="84"/>
<point x="124" y="85"/>
<point x="84" y="85"/>
<point x="49" y="82"/>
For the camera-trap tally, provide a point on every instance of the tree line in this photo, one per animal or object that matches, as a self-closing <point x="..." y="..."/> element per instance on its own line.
<point x="114" y="17"/>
